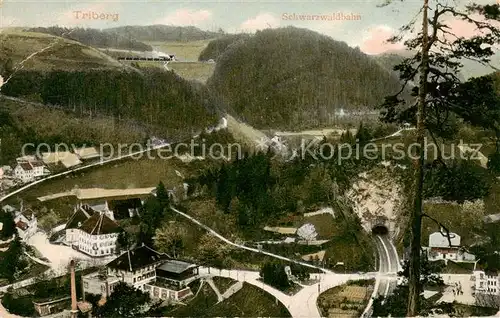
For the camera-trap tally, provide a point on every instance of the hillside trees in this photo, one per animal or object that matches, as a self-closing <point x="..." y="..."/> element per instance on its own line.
<point x="153" y="213"/>
<point x="161" y="101"/>
<point x="95" y="38"/>
<point x="315" y="77"/>
<point x="273" y="273"/>
<point x="160" y="32"/>
<point x="438" y="94"/>
<point x="11" y="261"/>
<point x="170" y="239"/>
<point x="124" y="301"/>
<point x="218" y="46"/>
<point x="8" y="227"/>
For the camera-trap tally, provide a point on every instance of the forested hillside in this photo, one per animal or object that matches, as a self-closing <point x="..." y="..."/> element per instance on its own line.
<point x="163" y="33"/>
<point x="389" y="60"/>
<point x="294" y="78"/>
<point x="216" y="47"/>
<point x="95" y="38"/>
<point x="160" y="101"/>
<point x="23" y="123"/>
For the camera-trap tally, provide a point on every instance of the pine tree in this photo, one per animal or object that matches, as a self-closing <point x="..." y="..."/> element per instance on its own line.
<point x="9" y="227"/>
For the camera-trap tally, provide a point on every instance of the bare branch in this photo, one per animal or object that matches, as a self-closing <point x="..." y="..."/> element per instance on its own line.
<point x="441" y="227"/>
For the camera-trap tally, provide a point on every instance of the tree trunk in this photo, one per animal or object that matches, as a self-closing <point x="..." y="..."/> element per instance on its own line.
<point x="416" y="217"/>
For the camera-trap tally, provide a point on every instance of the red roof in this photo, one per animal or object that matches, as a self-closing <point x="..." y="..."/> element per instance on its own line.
<point x="23" y="226"/>
<point x="445" y="250"/>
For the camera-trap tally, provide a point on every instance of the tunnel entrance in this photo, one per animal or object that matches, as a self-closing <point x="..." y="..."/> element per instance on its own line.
<point x="380" y="230"/>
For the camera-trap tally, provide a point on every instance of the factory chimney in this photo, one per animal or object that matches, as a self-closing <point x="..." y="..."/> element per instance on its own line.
<point x="74" y="308"/>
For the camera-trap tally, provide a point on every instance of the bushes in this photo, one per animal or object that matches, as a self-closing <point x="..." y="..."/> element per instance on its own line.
<point x="19" y="305"/>
<point x="273" y="274"/>
<point x="460" y="181"/>
<point x="494" y="162"/>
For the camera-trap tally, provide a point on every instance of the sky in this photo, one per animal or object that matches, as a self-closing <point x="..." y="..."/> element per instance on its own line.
<point x="369" y="31"/>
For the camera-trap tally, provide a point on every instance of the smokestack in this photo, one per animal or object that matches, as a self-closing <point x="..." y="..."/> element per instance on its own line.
<point x="74" y="308"/>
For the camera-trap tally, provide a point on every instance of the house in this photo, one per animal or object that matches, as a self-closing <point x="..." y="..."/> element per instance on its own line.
<point x="147" y="270"/>
<point x="172" y="279"/>
<point x="27" y="171"/>
<point x="26" y="223"/>
<point x="486" y="289"/>
<point x="136" y="267"/>
<point x="38" y="168"/>
<point x="486" y="282"/>
<point x="24" y="172"/>
<point x="441" y="249"/>
<point x="98" y="283"/>
<point x="92" y="232"/>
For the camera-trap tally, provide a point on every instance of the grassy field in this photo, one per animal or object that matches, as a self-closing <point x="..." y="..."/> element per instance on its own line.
<point x="250" y="301"/>
<point x="191" y="71"/>
<point x="59" y="53"/>
<point x="197" y="71"/>
<point x="348" y="300"/>
<point x="223" y="283"/>
<point x="121" y="175"/>
<point x="183" y="51"/>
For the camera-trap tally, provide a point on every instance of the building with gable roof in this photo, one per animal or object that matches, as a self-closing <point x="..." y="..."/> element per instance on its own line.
<point x="147" y="270"/>
<point x="92" y="232"/>
<point x="26" y="223"/>
<point x="136" y="267"/>
<point x="442" y="247"/>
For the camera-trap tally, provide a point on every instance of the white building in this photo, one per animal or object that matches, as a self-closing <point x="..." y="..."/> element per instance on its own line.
<point x="147" y="270"/>
<point x="486" y="283"/>
<point x="136" y="267"/>
<point x="92" y="232"/>
<point x="441" y="249"/>
<point x="24" y="172"/>
<point x="486" y="289"/>
<point x="26" y="224"/>
<point x="171" y="281"/>
<point x="27" y="171"/>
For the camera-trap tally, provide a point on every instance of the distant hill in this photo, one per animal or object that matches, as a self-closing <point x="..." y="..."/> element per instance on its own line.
<point x="292" y="78"/>
<point x="163" y="33"/>
<point x="469" y="69"/>
<point x="389" y="60"/>
<point x="55" y="53"/>
<point x="216" y="47"/>
<point x="95" y="38"/>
